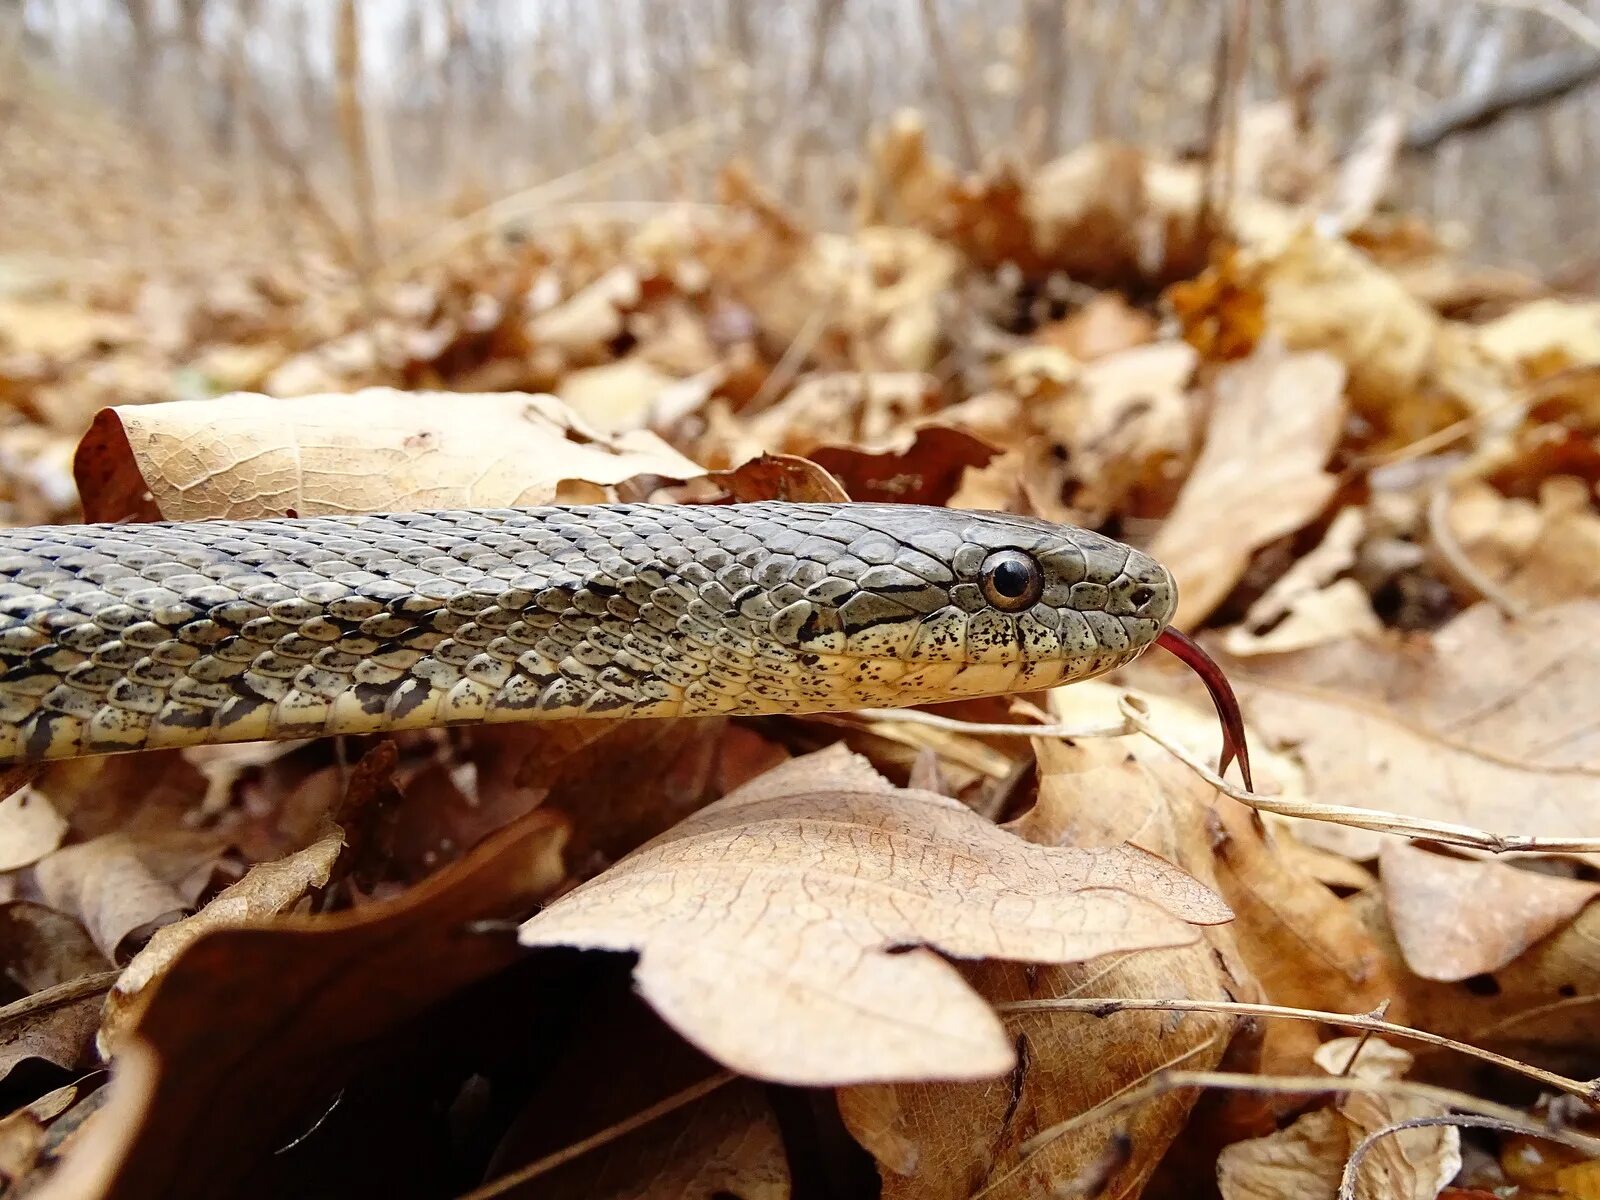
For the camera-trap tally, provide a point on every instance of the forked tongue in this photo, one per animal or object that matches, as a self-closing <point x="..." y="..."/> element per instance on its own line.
<point x="1202" y="664"/>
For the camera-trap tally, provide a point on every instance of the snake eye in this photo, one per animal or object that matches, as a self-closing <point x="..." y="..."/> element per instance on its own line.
<point x="1011" y="581"/>
<point x="1141" y="596"/>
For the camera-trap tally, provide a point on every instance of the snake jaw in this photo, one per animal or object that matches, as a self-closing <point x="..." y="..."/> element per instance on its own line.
<point x="1234" y="745"/>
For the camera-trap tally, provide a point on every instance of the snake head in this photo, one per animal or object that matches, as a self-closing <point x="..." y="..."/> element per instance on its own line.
<point x="909" y="605"/>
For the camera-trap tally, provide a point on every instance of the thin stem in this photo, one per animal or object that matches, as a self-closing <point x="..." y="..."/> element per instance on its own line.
<point x="604" y="1137"/>
<point x="1584" y="1090"/>
<point x="1372" y="819"/>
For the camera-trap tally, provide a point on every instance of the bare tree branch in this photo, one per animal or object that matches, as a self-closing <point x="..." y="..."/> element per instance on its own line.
<point x="1526" y="85"/>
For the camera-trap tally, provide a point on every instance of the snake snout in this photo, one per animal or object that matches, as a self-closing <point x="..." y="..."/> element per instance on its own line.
<point x="1146" y="590"/>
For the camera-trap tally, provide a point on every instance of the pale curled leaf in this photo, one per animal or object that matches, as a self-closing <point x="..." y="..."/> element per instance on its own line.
<point x="122" y="883"/>
<point x="249" y="456"/>
<point x="30" y="828"/>
<point x="1488" y="722"/>
<point x="1261" y="474"/>
<point x="1455" y="918"/>
<point x="766" y="924"/>
<point x="1539" y="554"/>
<point x="265" y="890"/>
<point x="1307" y="1159"/>
<point x="932" y="1139"/>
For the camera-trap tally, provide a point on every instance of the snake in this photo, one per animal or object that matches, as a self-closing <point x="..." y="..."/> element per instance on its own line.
<point x="127" y="637"/>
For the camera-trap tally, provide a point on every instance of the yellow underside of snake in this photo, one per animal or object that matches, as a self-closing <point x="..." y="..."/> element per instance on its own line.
<point x="129" y="637"/>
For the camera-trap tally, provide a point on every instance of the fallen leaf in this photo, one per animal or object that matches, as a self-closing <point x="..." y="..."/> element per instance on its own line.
<point x="267" y="889"/>
<point x="585" y="324"/>
<point x="616" y="396"/>
<point x="1486" y="722"/>
<point x="1319" y="293"/>
<point x="784" y="907"/>
<point x="780" y="477"/>
<point x="1302" y="944"/>
<point x="251" y="1028"/>
<point x="39" y="949"/>
<point x="1540" y="554"/>
<point x="1310" y="604"/>
<point x="1455" y="918"/>
<point x="120" y="885"/>
<point x="30" y="828"/>
<point x="1544" y="336"/>
<point x="1261" y="474"/>
<point x="1536" y="1008"/>
<point x="1127" y="429"/>
<point x="21" y="1138"/>
<point x="925" y="467"/>
<point x="247" y="456"/>
<point x="1307" y="1159"/>
<point x="1107" y="324"/>
<point x="943" y="1141"/>
<point x="853" y="407"/>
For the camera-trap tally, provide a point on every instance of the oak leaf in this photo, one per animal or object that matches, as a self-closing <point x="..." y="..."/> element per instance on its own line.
<point x="1261" y="474"/>
<point x="250" y="1029"/>
<point x="789" y="929"/>
<point x="248" y="456"/>
<point x="941" y="1141"/>
<point x="1455" y="918"/>
<point x="1307" y="1159"/>
<point x="1487" y="721"/>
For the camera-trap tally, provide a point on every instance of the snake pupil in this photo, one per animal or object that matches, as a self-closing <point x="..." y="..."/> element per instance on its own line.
<point x="1011" y="580"/>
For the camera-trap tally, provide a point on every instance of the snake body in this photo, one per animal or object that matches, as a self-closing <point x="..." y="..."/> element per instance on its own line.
<point x="128" y="637"/>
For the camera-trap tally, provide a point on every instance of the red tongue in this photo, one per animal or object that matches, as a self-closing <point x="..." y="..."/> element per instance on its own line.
<point x="1203" y="665"/>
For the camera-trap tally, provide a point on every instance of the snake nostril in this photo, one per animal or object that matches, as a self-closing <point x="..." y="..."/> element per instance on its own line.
<point x="1140" y="596"/>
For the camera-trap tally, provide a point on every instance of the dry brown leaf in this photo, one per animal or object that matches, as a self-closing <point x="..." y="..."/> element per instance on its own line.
<point x="1455" y="918"/>
<point x="924" y="467"/>
<point x="1544" y="336"/>
<point x="267" y="889"/>
<point x="21" y="1139"/>
<point x="584" y="325"/>
<point x="767" y="924"/>
<point x="1127" y="428"/>
<point x="728" y="1144"/>
<point x="250" y="1030"/>
<point x="622" y="395"/>
<point x="1537" y="1008"/>
<point x="1537" y="553"/>
<point x="30" y="828"/>
<point x="1310" y="604"/>
<point x="779" y="477"/>
<point x="1307" y="1159"/>
<point x="1487" y="722"/>
<point x="943" y="1141"/>
<point x="1303" y="945"/>
<point x="859" y="408"/>
<point x="1261" y="474"/>
<point x="248" y="456"/>
<point x="119" y="884"/>
<point x="60" y="329"/>
<point x="1108" y="324"/>
<point x="41" y="948"/>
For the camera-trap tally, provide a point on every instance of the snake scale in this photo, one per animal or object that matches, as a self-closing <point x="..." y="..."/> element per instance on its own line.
<point x="128" y="637"/>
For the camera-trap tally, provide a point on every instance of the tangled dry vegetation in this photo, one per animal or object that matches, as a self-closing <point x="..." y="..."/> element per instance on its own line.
<point x="1016" y="949"/>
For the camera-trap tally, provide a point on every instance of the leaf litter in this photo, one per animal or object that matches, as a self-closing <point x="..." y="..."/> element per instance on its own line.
<point x="859" y="946"/>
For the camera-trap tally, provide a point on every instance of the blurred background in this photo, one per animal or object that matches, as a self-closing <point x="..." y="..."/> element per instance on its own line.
<point x="360" y="123"/>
